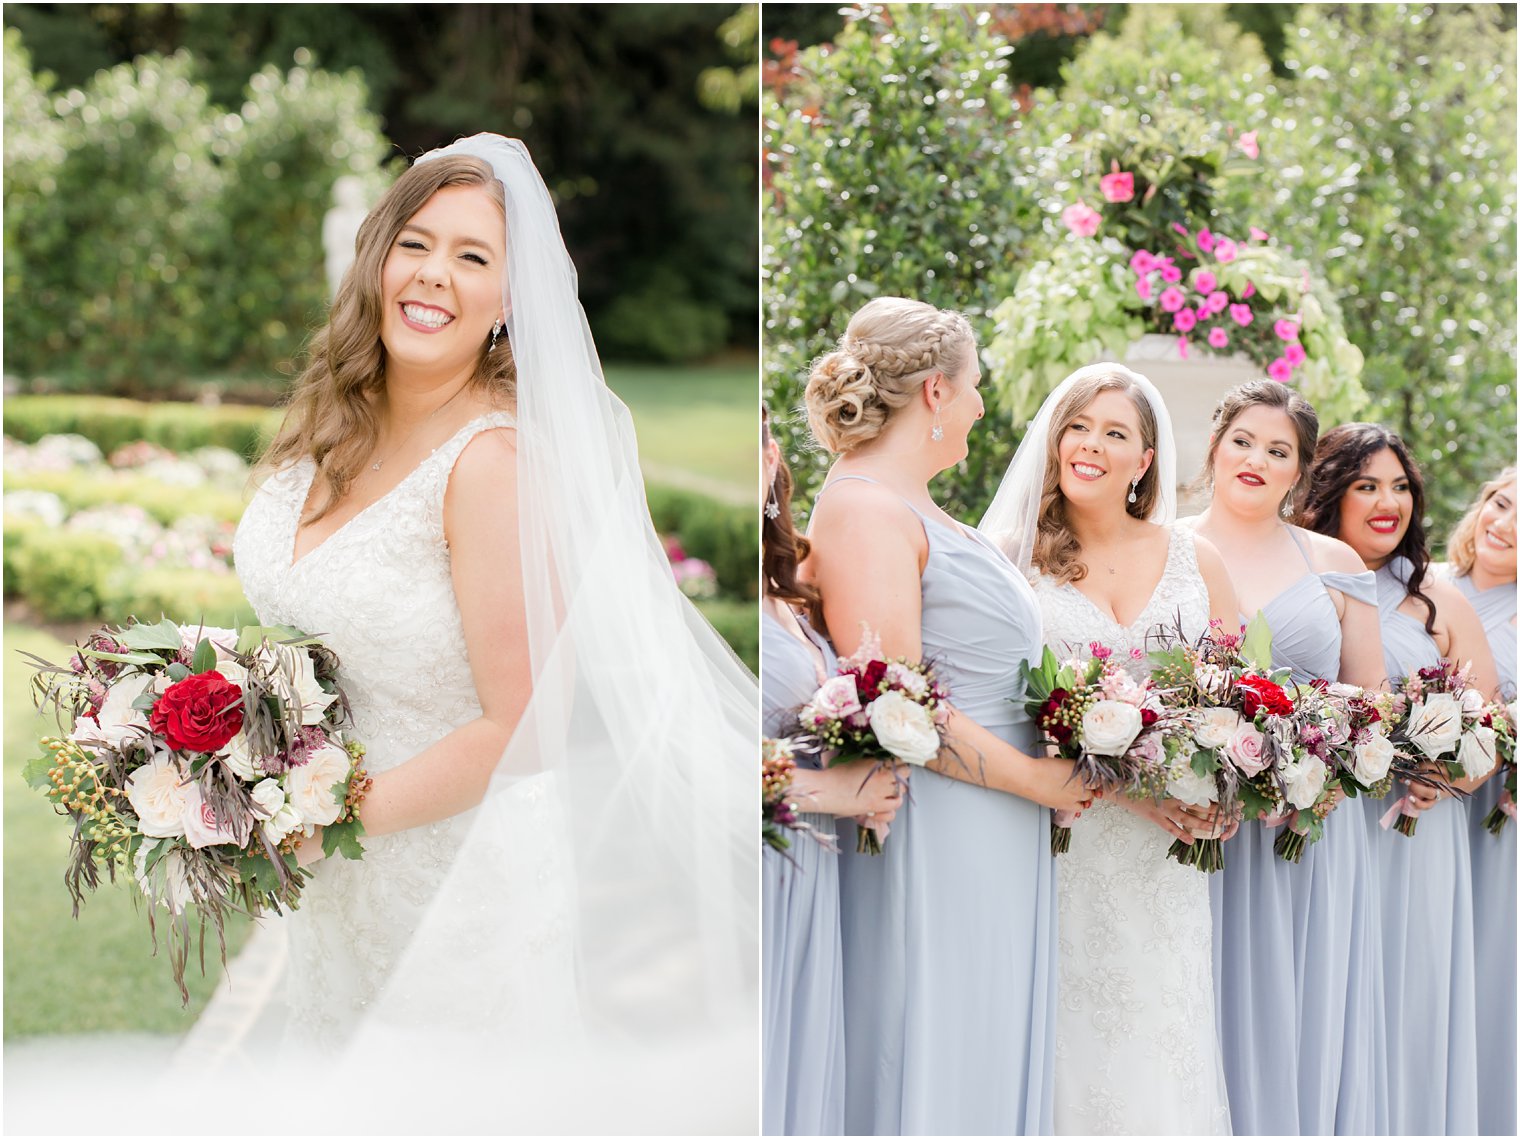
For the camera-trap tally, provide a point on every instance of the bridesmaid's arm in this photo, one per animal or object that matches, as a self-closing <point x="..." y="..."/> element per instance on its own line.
<point x="867" y="558"/>
<point x="1466" y="641"/>
<point x="1361" y="632"/>
<point x="1223" y="606"/>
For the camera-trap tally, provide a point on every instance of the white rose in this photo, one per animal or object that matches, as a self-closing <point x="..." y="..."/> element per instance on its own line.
<point x="837" y="698"/>
<point x="294" y="679"/>
<point x="308" y="788"/>
<point x="1187" y="786"/>
<point x="1303" y="780"/>
<point x="239" y="757"/>
<point x="1213" y="679"/>
<point x="1213" y="727"/>
<point x="904" y="728"/>
<point x="1476" y="753"/>
<point x="1344" y="691"/>
<point x="280" y="818"/>
<point x="118" y="721"/>
<point x="901" y="676"/>
<point x="1370" y="758"/>
<point x="1472" y="701"/>
<point x="167" y="884"/>
<point x="1109" y="727"/>
<point x="224" y="641"/>
<point x="1435" y="724"/>
<point x="160" y="795"/>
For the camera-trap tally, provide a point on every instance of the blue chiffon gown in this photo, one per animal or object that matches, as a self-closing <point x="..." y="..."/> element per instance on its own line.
<point x="1297" y="963"/>
<point x="1494" y="883"/>
<point x="950" y="935"/>
<point x="1429" y="992"/>
<point x="802" y="984"/>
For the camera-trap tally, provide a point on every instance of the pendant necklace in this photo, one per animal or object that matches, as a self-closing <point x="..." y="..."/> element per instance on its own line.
<point x="375" y="466"/>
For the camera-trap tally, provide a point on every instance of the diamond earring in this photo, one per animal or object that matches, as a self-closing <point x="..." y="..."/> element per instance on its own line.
<point x="772" y="508"/>
<point x="1133" y="484"/>
<point x="939" y="432"/>
<point x="1287" y="506"/>
<point x="495" y="332"/>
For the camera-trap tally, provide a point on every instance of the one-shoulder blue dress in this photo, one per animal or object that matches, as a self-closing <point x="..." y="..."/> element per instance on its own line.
<point x="1494" y="913"/>
<point x="1425" y="886"/>
<point x="950" y="934"/>
<point x="802" y="984"/>
<point x="1297" y="947"/>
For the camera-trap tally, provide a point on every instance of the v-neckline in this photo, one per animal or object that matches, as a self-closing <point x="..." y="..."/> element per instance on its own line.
<point x="1171" y="538"/>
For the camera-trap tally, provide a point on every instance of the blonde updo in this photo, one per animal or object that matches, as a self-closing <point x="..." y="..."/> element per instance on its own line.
<point x="891" y="346"/>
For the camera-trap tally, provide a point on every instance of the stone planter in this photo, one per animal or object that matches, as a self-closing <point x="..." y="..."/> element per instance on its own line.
<point x="1192" y="388"/>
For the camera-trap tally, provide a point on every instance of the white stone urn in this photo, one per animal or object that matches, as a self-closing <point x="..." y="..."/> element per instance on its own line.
<point x="1192" y="388"/>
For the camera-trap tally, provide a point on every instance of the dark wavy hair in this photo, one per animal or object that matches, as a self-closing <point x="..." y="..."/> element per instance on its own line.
<point x="1339" y="460"/>
<point x="782" y="548"/>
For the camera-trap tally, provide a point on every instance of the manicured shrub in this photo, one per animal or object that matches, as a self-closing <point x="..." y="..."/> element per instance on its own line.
<point x="726" y="537"/>
<point x="189" y="597"/>
<point x="167" y="504"/>
<point x="738" y="623"/>
<point x="111" y="423"/>
<point x="69" y="577"/>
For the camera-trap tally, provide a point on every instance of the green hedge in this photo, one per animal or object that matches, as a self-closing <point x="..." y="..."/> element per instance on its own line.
<point x="67" y="576"/>
<point x="738" y="623"/>
<point x="727" y="537"/>
<point x="111" y="423"/>
<point x="167" y="504"/>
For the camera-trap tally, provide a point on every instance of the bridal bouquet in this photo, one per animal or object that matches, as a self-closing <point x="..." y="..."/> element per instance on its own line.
<point x="1094" y="713"/>
<point x="888" y="711"/>
<point x="197" y="760"/>
<point x="1448" y="723"/>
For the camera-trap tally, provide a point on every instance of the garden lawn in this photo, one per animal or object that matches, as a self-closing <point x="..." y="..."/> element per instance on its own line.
<point x="95" y="974"/>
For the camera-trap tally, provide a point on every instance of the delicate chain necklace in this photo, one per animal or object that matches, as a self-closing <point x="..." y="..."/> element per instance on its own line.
<point x="375" y="466"/>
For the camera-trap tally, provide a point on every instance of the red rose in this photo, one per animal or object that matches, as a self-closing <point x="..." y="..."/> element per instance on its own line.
<point x="199" y="713"/>
<point x="870" y="679"/>
<point x="1147" y="717"/>
<point x="1259" y="693"/>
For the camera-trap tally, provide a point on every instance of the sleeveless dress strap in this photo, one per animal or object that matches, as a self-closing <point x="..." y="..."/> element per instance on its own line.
<point x="1391" y="587"/>
<point x="1302" y="552"/>
<point x="1357" y="586"/>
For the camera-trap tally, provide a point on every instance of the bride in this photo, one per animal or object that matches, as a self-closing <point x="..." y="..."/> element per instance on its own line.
<point x="559" y="883"/>
<point x="1086" y="509"/>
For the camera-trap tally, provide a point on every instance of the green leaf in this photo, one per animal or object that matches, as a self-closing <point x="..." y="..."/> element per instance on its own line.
<point x="164" y="635"/>
<point x="1254" y="803"/>
<point x="343" y="838"/>
<point x="204" y="659"/>
<point x="124" y="658"/>
<point x="178" y="671"/>
<point x="1257" y="646"/>
<point x="1204" y="763"/>
<point x="36" y="773"/>
<point x="250" y="637"/>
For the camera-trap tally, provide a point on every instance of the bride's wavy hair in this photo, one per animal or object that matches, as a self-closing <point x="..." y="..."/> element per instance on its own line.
<point x="330" y="417"/>
<point x="782" y="548"/>
<point x="1056" y="550"/>
<point x="1462" y="546"/>
<point x="1339" y="460"/>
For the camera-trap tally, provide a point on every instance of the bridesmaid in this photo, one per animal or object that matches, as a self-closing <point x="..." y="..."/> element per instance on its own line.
<point x="1366" y="490"/>
<point x="1313" y="1065"/>
<point x="949" y="936"/>
<point x="801" y="982"/>
<point x="1482" y="566"/>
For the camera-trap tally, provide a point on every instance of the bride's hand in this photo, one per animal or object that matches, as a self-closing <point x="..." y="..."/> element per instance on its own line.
<point x="310" y="850"/>
<point x="1178" y="819"/>
<point x="853" y="790"/>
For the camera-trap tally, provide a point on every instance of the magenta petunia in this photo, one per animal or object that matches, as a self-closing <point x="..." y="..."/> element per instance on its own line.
<point x="1280" y="370"/>
<point x="1185" y="320"/>
<point x="1171" y="274"/>
<point x="1286" y="329"/>
<point x="1248" y="144"/>
<point x="1205" y="241"/>
<point x="1205" y="282"/>
<point x="1180" y="228"/>
<point x="1081" y="219"/>
<point x="1117" y="187"/>
<point x="1202" y="312"/>
<point x="1219" y="338"/>
<point x="1144" y="261"/>
<point x="1258" y="234"/>
<point x="1241" y="314"/>
<point x="1143" y="288"/>
<point x="1226" y="250"/>
<point x="1248" y="292"/>
<point x="1182" y="350"/>
<point x="1218" y="301"/>
<point x="1172" y="299"/>
<point x="1294" y="353"/>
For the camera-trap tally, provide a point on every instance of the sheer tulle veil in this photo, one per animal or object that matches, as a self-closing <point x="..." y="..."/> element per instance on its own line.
<point x="1015" y="511"/>
<point x="645" y="726"/>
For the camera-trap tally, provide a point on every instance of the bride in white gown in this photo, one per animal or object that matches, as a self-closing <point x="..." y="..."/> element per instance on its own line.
<point x="1087" y="509"/>
<point x="559" y="889"/>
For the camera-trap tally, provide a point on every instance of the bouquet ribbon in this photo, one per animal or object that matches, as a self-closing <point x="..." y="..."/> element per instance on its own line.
<point x="1507" y="804"/>
<point x="1270" y="821"/>
<point x="1404" y="806"/>
<point x="1063" y="818"/>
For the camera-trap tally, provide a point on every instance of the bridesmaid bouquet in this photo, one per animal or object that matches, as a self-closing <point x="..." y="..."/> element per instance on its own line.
<point x="1504" y="810"/>
<point x="1448" y="723"/>
<point x="889" y="711"/>
<point x="196" y="759"/>
<point x="777" y="813"/>
<point x="1320" y="731"/>
<point x="1111" y="725"/>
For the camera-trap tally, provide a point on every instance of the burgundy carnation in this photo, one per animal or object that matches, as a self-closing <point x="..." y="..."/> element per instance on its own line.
<point x="1148" y="717"/>
<point x="871" y="677"/>
<point x="1259" y="693"/>
<point x="199" y="713"/>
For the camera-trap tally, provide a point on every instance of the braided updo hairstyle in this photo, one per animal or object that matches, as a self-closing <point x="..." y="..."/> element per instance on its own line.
<point x="890" y="347"/>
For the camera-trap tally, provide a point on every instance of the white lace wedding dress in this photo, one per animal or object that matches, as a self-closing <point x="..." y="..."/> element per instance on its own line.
<point x="1137" y="1051"/>
<point x="378" y="593"/>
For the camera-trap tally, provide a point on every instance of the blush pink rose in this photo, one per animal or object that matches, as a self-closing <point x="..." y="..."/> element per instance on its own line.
<point x="203" y="828"/>
<point x="1246" y="749"/>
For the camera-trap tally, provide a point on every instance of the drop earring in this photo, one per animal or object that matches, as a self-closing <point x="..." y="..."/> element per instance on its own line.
<point x="495" y="332"/>
<point x="1287" y="507"/>
<point x="772" y="507"/>
<point x="1133" y="484"/>
<point x="939" y="432"/>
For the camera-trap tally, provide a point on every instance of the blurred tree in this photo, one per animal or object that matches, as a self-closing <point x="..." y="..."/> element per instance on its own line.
<point x="732" y="88"/>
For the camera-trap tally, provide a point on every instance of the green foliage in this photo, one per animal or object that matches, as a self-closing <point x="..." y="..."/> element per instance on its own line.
<point x="1396" y="158"/>
<point x="661" y="320"/>
<point x="67" y="576"/>
<point x="186" y="596"/>
<point x="726" y="537"/>
<point x="19" y="529"/>
<point x="893" y="161"/>
<point x="738" y="623"/>
<point x="166" y="503"/>
<point x="111" y="423"/>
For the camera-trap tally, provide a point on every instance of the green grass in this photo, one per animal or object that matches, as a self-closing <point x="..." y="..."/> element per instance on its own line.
<point x="697" y="421"/>
<point x="95" y="974"/>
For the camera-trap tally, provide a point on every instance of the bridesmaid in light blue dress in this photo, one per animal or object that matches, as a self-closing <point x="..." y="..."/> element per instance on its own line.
<point x="1297" y="963"/>
<point x="1367" y="490"/>
<point x="949" y="935"/>
<point x="1482" y="563"/>
<point x="801" y="979"/>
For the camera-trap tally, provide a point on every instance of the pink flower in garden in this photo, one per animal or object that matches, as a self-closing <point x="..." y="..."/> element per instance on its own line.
<point x="1294" y="353"/>
<point x="1171" y="274"/>
<point x="1248" y="144"/>
<point x="1205" y="282"/>
<point x="1250" y="291"/>
<point x="1205" y="241"/>
<point x="1241" y="314"/>
<point x="1219" y="338"/>
<point x="1172" y="299"/>
<point x="1280" y="370"/>
<point x="1226" y="250"/>
<point x="1258" y="234"/>
<point x="1286" y="330"/>
<point x="1118" y="186"/>
<point x="1144" y="261"/>
<point x="1181" y="351"/>
<point x="1081" y="219"/>
<point x="1143" y="288"/>
<point x="1218" y="301"/>
<point x="1202" y="312"/>
<point x="1180" y="228"/>
<point x="1185" y="320"/>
